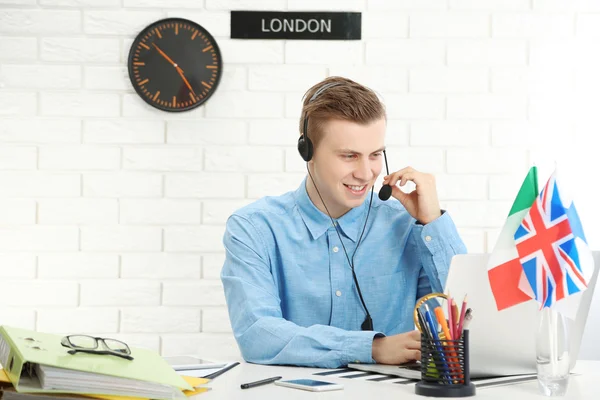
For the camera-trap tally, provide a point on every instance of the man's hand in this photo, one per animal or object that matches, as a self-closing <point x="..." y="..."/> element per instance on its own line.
<point x="422" y="203"/>
<point x="397" y="349"/>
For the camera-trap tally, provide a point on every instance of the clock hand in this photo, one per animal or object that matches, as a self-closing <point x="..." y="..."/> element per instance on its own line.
<point x="162" y="53"/>
<point x="180" y="71"/>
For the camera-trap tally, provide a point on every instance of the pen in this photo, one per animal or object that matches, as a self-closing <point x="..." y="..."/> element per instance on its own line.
<point x="259" y="383"/>
<point x="221" y="371"/>
<point x="468" y="318"/>
<point x="424" y="327"/>
<point x="453" y="362"/>
<point x="436" y="341"/>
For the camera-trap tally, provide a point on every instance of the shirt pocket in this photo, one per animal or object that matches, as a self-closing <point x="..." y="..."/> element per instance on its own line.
<point x="385" y="297"/>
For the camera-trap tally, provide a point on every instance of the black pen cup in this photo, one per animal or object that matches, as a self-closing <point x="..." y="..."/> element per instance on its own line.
<point x="445" y="368"/>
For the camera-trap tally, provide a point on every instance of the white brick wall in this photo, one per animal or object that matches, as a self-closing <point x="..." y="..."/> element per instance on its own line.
<point x="112" y="213"/>
<point x="161" y="266"/>
<point x="78" y="265"/>
<point x="79" y="49"/>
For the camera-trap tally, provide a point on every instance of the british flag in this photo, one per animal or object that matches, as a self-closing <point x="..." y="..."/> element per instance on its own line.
<point x="549" y="242"/>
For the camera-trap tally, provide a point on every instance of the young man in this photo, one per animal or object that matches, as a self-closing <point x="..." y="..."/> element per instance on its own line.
<point x="305" y="271"/>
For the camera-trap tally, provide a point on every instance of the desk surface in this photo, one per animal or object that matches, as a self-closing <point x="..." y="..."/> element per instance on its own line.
<point x="227" y="386"/>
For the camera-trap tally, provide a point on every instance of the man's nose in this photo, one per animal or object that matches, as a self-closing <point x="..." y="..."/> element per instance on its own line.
<point x="363" y="170"/>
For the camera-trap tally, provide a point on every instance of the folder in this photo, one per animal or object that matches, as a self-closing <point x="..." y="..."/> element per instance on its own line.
<point x="4" y="381"/>
<point x="37" y="362"/>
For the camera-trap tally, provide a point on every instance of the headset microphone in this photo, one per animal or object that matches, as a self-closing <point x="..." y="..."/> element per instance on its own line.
<point x="386" y="190"/>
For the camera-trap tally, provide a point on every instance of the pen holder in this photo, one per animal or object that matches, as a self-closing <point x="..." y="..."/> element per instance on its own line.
<point x="445" y="368"/>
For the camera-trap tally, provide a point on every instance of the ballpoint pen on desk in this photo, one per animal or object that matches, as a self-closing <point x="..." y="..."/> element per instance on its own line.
<point x="222" y="371"/>
<point x="250" y="385"/>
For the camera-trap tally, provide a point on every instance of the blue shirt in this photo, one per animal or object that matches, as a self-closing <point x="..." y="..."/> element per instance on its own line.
<point x="289" y="287"/>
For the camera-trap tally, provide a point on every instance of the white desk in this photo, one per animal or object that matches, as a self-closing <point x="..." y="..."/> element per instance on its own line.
<point x="227" y="386"/>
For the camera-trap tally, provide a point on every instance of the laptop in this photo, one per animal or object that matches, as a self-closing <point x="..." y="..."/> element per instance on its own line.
<point x="501" y="343"/>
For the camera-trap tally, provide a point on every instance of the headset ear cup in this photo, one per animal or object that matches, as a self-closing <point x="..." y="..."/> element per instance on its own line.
<point x="305" y="148"/>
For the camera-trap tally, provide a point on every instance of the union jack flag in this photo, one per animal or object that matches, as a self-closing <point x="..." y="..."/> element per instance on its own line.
<point x="549" y="242"/>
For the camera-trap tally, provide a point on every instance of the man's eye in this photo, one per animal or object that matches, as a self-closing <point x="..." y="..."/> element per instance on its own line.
<point x="349" y="156"/>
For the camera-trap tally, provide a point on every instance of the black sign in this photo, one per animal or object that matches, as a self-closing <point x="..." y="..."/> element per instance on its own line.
<point x="295" y="25"/>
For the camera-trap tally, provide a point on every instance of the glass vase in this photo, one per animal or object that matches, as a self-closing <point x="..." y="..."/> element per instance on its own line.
<point x="552" y="353"/>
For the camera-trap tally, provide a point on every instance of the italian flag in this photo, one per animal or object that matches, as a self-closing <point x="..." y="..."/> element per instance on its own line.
<point x="507" y="279"/>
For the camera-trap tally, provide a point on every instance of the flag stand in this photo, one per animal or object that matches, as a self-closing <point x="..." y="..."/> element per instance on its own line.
<point x="552" y="353"/>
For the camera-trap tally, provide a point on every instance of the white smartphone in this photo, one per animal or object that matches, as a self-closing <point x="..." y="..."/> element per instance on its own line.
<point x="310" y="384"/>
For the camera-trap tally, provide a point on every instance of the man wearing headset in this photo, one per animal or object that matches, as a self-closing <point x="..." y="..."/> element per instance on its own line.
<point x="329" y="274"/>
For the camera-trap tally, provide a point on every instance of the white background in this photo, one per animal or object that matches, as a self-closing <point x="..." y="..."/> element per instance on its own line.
<point x="112" y="213"/>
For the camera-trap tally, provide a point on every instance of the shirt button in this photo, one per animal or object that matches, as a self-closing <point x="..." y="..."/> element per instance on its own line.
<point x="335" y="249"/>
<point x="428" y="238"/>
<point x="338" y="293"/>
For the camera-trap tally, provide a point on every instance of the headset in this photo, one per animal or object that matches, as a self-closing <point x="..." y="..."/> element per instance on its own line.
<point x="306" y="150"/>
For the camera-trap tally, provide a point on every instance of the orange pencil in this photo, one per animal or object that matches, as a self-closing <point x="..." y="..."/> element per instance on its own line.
<point x="439" y="314"/>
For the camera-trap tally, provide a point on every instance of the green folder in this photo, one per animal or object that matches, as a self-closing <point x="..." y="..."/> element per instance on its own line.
<point x="147" y="375"/>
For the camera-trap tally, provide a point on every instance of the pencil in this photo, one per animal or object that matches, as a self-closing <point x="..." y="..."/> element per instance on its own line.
<point x="441" y="318"/>
<point x="461" y="320"/>
<point x="455" y="320"/>
<point x="450" y="318"/>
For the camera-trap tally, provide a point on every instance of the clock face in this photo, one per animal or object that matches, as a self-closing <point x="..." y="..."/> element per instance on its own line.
<point x="174" y="64"/>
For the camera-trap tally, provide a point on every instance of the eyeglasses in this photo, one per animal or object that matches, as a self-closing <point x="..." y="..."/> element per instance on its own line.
<point x="89" y="344"/>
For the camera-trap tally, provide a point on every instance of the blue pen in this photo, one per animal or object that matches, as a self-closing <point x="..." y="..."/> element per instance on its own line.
<point x="436" y="340"/>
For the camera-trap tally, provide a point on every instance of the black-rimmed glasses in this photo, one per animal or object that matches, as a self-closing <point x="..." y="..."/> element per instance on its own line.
<point x="91" y="344"/>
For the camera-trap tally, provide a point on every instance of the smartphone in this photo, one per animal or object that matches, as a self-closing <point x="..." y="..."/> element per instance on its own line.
<point x="182" y="363"/>
<point x="310" y="384"/>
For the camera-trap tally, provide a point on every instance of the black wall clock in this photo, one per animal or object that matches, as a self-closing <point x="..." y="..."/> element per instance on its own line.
<point x="174" y="64"/>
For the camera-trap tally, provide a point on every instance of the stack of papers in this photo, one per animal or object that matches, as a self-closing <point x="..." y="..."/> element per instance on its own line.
<point x="65" y="380"/>
<point x="9" y="393"/>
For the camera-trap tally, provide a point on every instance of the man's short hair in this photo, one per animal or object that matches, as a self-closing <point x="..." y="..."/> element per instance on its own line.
<point x="348" y="101"/>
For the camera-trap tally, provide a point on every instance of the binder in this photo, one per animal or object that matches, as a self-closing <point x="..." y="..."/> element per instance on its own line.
<point x="28" y="356"/>
<point x="6" y="387"/>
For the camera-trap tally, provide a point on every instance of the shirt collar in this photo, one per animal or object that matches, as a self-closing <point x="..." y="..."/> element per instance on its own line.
<point x="318" y="223"/>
